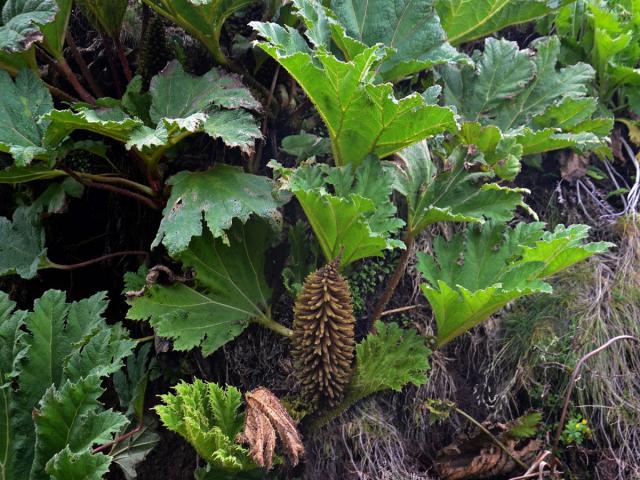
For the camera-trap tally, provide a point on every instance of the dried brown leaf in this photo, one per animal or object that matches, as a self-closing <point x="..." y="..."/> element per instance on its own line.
<point x="266" y="417"/>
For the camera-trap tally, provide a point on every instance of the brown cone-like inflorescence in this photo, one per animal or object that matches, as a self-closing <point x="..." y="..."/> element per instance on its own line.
<point x="323" y="335"/>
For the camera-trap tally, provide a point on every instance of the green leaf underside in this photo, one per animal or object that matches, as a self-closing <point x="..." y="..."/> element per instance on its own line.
<point x="21" y="128"/>
<point x="228" y="291"/>
<point x="466" y="20"/>
<point x="20" y="22"/>
<point x="208" y="417"/>
<point x="410" y="27"/>
<point x="388" y="360"/>
<point x="57" y="354"/>
<point x="106" y="17"/>
<point x="201" y="18"/>
<point x="215" y="197"/>
<point x="344" y="94"/>
<point x="499" y="264"/>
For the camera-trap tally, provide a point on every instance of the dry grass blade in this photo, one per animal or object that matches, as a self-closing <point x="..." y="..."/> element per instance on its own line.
<point x="265" y="417"/>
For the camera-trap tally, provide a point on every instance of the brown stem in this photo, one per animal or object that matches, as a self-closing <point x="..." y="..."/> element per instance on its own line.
<point x="108" y="50"/>
<point x="121" y="191"/>
<point x="118" y="439"/>
<point x="84" y="68"/>
<point x="56" y="92"/>
<point x="73" y="80"/>
<point x="75" y="266"/>
<point x="399" y="310"/>
<point x="391" y="285"/>
<point x="117" y="180"/>
<point x="123" y="59"/>
<point x="494" y="439"/>
<point x="572" y="381"/>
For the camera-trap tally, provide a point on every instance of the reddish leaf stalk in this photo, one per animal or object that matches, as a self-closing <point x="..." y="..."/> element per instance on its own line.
<point x="107" y="43"/>
<point x="63" y="66"/>
<point x="86" y="263"/>
<point x="84" y="68"/>
<point x="123" y="59"/>
<point x="118" y="439"/>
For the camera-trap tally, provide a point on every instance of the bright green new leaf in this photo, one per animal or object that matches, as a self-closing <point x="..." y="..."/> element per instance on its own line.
<point x="410" y="27"/>
<point x="357" y="219"/>
<point x="466" y="20"/>
<point x="388" y="360"/>
<point x="344" y="93"/>
<point x="22" y="250"/>
<point x="207" y="416"/>
<point x="20" y="22"/>
<point x="229" y="290"/>
<point x="473" y="276"/>
<point x="452" y="195"/>
<point x="71" y="418"/>
<point x="525" y="426"/>
<point x="21" y="107"/>
<point x="201" y="18"/>
<point x="215" y="197"/>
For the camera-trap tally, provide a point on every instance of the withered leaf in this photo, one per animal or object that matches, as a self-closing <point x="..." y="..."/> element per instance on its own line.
<point x="266" y="417"/>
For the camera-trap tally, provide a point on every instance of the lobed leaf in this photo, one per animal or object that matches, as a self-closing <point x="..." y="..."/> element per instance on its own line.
<point x="215" y="197"/>
<point x="469" y="278"/>
<point x="21" y="22"/>
<point x="228" y="291"/>
<point x="388" y="360"/>
<point x="344" y="93"/>
<point x="207" y="416"/>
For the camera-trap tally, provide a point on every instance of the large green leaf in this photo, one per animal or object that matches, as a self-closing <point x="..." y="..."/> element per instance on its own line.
<point x="229" y="290"/>
<point x="388" y="360"/>
<point x="71" y="419"/>
<point x="20" y="22"/>
<point x="179" y="105"/>
<point x="453" y="194"/>
<point x="411" y="27"/>
<point x="207" y="416"/>
<point x="22" y="105"/>
<point x="216" y="197"/>
<point x="473" y="276"/>
<point x="466" y="20"/>
<point x="349" y="211"/>
<point x="344" y="93"/>
<point x="201" y="18"/>
<point x="48" y="349"/>
<point x="524" y="98"/>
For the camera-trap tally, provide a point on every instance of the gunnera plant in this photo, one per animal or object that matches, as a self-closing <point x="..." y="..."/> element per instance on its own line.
<point x="323" y="335"/>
